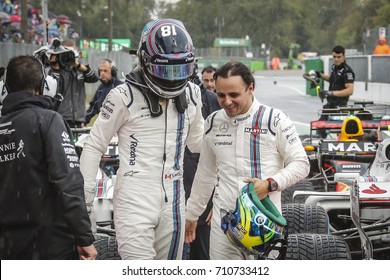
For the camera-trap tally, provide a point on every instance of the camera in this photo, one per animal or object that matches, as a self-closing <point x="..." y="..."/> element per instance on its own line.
<point x="67" y="58"/>
<point x="64" y="56"/>
<point x="42" y="56"/>
<point x="55" y="43"/>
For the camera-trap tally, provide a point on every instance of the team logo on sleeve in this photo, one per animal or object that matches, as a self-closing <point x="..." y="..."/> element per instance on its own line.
<point x="65" y="137"/>
<point x="107" y="108"/>
<point x="276" y="119"/>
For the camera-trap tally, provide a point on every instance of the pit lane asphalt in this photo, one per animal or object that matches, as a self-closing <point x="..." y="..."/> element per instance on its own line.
<point x="286" y="90"/>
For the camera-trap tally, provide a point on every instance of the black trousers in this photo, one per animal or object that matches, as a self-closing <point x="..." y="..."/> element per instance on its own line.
<point x="199" y="248"/>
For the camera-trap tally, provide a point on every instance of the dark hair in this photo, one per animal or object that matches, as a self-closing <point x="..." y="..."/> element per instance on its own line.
<point x="339" y="49"/>
<point x="24" y="73"/>
<point x="235" y="68"/>
<point x="209" y="69"/>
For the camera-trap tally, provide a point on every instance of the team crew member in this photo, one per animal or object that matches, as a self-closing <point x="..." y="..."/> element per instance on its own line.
<point x="245" y="142"/>
<point x="108" y="74"/>
<point x="42" y="208"/>
<point x="340" y="80"/>
<point x="155" y="114"/>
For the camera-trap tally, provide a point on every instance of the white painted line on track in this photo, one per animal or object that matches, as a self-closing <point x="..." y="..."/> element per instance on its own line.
<point x="293" y="89"/>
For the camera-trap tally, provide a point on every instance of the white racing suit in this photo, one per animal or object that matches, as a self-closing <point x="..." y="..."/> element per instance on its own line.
<point x="262" y="143"/>
<point x="149" y="199"/>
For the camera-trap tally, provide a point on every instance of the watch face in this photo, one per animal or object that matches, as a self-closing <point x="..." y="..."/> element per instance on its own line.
<point x="274" y="186"/>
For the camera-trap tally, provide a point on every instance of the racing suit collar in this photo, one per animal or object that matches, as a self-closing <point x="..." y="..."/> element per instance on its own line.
<point x="244" y="117"/>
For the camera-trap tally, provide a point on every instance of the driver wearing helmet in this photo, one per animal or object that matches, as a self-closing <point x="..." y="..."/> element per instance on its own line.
<point x="155" y="114"/>
<point x="245" y="142"/>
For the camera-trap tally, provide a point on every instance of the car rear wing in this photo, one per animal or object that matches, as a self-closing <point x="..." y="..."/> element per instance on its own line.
<point x="361" y="151"/>
<point x="356" y="157"/>
<point x="337" y="124"/>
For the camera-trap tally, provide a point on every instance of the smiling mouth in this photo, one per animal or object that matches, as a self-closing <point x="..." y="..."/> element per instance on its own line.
<point x="230" y="107"/>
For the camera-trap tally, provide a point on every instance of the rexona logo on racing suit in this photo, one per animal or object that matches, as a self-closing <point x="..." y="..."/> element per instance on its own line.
<point x="348" y="147"/>
<point x="133" y="150"/>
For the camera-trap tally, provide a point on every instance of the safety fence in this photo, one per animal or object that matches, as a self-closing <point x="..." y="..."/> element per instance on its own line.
<point x="369" y="69"/>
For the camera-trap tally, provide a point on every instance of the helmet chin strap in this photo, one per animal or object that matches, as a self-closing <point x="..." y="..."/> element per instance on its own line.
<point x="181" y="102"/>
<point x="136" y="78"/>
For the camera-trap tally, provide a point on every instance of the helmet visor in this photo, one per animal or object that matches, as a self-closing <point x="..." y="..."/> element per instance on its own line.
<point x="171" y="72"/>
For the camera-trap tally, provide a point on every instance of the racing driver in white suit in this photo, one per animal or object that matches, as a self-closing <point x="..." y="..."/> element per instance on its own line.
<point x="155" y="114"/>
<point x="245" y="142"/>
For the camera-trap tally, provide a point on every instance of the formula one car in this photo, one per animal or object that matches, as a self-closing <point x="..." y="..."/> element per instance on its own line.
<point x="349" y="147"/>
<point x="352" y="147"/>
<point x="350" y="130"/>
<point x="333" y="120"/>
<point x="359" y="212"/>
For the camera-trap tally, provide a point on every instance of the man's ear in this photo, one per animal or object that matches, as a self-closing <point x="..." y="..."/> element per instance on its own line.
<point x="251" y="87"/>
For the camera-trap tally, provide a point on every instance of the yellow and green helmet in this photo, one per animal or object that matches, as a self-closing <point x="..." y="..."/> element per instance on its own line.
<point x="255" y="224"/>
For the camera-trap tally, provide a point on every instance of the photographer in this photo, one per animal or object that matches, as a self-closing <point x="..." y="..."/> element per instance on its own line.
<point x="64" y="61"/>
<point x="54" y="86"/>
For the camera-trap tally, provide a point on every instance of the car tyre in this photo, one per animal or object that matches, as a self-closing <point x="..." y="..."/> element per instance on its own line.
<point x="308" y="246"/>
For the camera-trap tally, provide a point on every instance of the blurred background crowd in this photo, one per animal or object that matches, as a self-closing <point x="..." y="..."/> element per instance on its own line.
<point x="11" y="17"/>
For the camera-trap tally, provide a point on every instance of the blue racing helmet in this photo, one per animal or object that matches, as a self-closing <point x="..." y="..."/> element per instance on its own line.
<point x="166" y="56"/>
<point x="255" y="225"/>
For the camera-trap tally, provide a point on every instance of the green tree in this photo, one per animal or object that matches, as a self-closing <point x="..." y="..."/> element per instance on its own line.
<point x="90" y="17"/>
<point x="316" y="25"/>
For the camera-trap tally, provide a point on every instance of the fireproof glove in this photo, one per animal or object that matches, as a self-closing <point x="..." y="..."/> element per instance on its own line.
<point x="324" y="94"/>
<point x="312" y="74"/>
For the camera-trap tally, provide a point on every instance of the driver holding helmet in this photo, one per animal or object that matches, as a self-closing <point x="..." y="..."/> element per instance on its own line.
<point x="155" y="114"/>
<point x="246" y="142"/>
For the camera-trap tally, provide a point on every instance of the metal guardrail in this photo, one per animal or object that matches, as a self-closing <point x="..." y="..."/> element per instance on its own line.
<point x="367" y="68"/>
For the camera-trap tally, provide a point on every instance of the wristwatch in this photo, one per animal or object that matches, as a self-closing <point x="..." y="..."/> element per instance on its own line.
<point x="272" y="185"/>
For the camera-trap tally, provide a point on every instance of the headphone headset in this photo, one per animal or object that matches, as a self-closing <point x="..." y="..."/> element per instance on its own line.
<point x="48" y="85"/>
<point x="114" y="70"/>
<point x="3" y="89"/>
